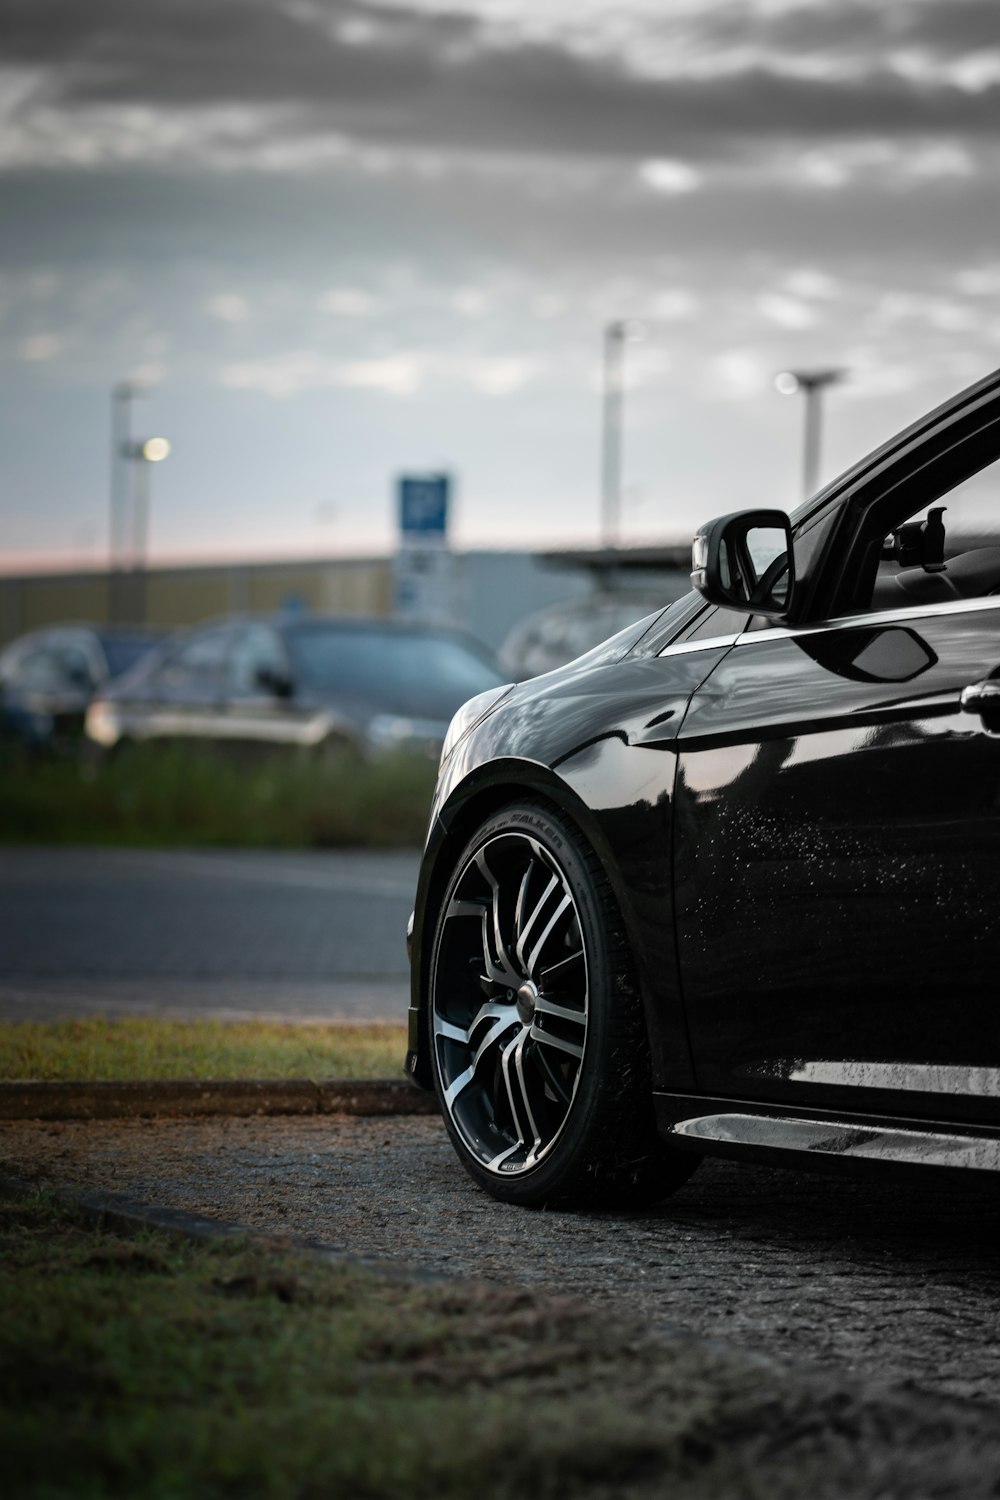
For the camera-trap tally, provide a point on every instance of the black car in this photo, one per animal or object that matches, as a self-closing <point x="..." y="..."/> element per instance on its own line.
<point x="318" y="683"/>
<point x="731" y="882"/>
<point x="48" y="678"/>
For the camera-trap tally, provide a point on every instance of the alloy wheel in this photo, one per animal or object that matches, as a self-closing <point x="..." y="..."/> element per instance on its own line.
<point x="510" y="1003"/>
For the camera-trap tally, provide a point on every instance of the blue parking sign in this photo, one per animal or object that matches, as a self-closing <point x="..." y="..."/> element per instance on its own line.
<point x="423" y="505"/>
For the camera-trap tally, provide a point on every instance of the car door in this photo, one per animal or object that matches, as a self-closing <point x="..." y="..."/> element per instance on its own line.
<point x="184" y="696"/>
<point x="837" y="838"/>
<point x="260" y="707"/>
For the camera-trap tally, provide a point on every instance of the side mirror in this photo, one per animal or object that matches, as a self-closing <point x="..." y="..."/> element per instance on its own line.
<point x="744" y="561"/>
<point x="274" y="681"/>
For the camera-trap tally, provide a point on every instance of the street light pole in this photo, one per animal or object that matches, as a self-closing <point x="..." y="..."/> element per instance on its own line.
<point x="616" y="335"/>
<point x="812" y="384"/>
<point x="611" y="445"/>
<point x="122" y="396"/>
<point x="142" y="456"/>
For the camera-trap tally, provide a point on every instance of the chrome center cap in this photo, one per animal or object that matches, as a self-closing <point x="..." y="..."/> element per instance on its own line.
<point x="526" y="997"/>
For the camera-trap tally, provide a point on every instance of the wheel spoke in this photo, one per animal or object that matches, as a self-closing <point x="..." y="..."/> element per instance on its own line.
<point x="529" y="924"/>
<point x="462" y="906"/>
<point x="503" y="1156"/>
<point x="517" y="1093"/>
<point x="560" y="1012"/>
<point x="505" y="1068"/>
<point x="489" y="1012"/>
<point x="522" y="1080"/>
<point x="496" y="1030"/>
<point x="550" y="1039"/>
<point x="458" y="1084"/>
<point x="557" y="974"/>
<point x="553" y="1077"/>
<point x="522" y="897"/>
<point x="498" y="963"/>
<point x="533" y="956"/>
<point x="446" y="1028"/>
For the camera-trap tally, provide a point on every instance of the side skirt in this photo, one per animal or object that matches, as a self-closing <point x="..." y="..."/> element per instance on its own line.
<point x="821" y="1140"/>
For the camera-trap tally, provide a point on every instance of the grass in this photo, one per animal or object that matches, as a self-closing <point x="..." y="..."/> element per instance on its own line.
<point x="140" y="1366"/>
<point x="188" y="795"/>
<point x="141" y="1048"/>
<point x="180" y="1370"/>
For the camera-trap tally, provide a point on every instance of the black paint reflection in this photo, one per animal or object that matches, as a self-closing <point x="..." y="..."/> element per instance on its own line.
<point x="838" y="858"/>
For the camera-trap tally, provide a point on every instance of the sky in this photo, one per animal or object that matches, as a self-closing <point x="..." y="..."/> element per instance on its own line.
<point x="341" y="240"/>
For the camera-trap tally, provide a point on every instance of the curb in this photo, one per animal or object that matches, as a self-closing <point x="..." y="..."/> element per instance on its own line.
<point x="127" y="1215"/>
<point x="37" y="1100"/>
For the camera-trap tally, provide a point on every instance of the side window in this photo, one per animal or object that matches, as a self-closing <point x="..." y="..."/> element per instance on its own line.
<point x="945" y="549"/>
<point x="38" y="670"/>
<point x="75" y="666"/>
<point x="257" y="653"/>
<point x="199" y="666"/>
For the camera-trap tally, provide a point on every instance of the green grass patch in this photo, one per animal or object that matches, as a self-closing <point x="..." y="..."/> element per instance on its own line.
<point x="139" y="1048"/>
<point x="188" y="795"/>
<point x="177" y="1370"/>
<point x="143" y="1366"/>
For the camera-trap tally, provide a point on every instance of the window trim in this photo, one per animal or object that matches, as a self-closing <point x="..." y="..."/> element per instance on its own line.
<point x="905" y="615"/>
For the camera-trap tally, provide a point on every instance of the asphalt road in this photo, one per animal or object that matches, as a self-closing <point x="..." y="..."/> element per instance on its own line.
<point x="183" y="933"/>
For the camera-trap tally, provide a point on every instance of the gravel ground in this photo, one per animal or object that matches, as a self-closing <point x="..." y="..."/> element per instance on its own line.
<point x="895" y="1282"/>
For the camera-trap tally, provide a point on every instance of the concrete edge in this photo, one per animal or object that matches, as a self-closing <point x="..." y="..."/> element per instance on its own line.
<point x="39" y="1100"/>
<point x="127" y="1215"/>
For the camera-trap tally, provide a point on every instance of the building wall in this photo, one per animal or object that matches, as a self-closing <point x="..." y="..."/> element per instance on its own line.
<point x="183" y="596"/>
<point x="491" y="592"/>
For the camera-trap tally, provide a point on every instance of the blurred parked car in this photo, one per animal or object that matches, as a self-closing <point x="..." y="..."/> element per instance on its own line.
<point x="561" y="632"/>
<point x="318" y="683"/>
<point x="48" y="678"/>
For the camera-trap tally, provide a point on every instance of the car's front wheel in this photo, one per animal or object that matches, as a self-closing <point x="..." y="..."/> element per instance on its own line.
<point x="539" y="1045"/>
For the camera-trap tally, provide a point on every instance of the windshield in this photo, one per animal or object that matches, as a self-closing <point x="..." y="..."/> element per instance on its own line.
<point x="421" y="673"/>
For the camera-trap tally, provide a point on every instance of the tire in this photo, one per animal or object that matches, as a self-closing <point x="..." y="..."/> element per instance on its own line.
<point x="538" y="1042"/>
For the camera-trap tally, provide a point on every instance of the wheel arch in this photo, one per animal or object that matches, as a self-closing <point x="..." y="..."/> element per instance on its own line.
<point x="482" y="793"/>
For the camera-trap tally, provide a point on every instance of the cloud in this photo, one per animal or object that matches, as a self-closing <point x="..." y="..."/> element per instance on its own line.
<point x="666" y="176"/>
<point x="40" y="347"/>
<point x="309" y="84"/>
<point x="786" y="312"/>
<point x="347" y="302"/>
<point x="500" y="376"/>
<point x="674" y="305"/>
<point x="809" y="283"/>
<point x="290" y="374"/>
<point x="229" y="307"/>
<point x="401" y="374"/>
<point x="979" y="281"/>
<point x="740" y="373"/>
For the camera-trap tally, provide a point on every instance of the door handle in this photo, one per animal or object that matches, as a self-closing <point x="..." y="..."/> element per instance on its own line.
<point x="981" y="697"/>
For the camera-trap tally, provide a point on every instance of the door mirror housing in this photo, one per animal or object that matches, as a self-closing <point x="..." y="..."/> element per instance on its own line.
<point x="274" y="681"/>
<point x="745" y="561"/>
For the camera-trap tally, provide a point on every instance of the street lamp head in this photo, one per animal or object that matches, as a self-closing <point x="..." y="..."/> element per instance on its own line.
<point x="790" y="381"/>
<point x="155" y="449"/>
<point x="626" y="330"/>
